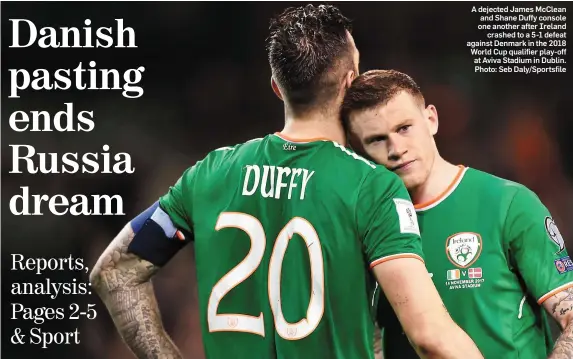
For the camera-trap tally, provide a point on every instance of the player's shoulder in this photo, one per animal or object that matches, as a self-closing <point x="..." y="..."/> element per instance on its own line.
<point x="496" y="185"/>
<point x="226" y="155"/>
<point x="349" y="158"/>
<point x="367" y="172"/>
<point x="237" y="149"/>
<point x="372" y="180"/>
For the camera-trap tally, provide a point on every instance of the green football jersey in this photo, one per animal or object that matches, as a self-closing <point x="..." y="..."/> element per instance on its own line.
<point x="284" y="234"/>
<point x="495" y="255"/>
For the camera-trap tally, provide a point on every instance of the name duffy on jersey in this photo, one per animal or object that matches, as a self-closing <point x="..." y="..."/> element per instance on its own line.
<point x="275" y="181"/>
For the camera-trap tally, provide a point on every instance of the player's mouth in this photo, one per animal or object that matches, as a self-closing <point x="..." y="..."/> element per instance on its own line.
<point x="403" y="166"/>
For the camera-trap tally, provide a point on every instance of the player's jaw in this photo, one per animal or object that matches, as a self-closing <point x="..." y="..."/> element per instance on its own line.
<point x="414" y="166"/>
<point x="403" y="167"/>
<point x="412" y="172"/>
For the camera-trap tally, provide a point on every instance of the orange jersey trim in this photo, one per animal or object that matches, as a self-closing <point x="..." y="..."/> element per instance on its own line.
<point x="554" y="291"/>
<point x="300" y="140"/>
<point x="395" y="256"/>
<point x="445" y="192"/>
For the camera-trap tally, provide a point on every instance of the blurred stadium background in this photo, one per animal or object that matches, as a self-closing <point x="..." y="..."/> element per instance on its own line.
<point x="207" y="85"/>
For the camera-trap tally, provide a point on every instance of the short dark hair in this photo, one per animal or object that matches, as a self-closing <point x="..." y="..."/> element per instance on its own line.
<point x="304" y="45"/>
<point x="375" y="88"/>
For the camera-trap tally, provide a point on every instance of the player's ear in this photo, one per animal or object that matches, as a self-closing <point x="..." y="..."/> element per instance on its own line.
<point x="350" y="76"/>
<point x="346" y="82"/>
<point x="276" y="89"/>
<point x="432" y="117"/>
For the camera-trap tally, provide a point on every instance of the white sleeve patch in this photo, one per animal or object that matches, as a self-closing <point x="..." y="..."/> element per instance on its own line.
<point x="163" y="220"/>
<point x="554" y="234"/>
<point x="407" y="216"/>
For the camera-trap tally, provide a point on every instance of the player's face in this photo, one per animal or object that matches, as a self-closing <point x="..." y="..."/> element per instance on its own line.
<point x="398" y="135"/>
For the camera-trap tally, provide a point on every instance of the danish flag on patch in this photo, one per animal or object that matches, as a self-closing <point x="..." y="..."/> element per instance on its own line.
<point x="474" y="273"/>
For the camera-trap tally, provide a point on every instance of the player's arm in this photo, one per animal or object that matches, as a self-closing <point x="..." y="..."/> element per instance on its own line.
<point x="560" y="306"/>
<point x="123" y="282"/>
<point x="394" y="249"/>
<point x="420" y="310"/>
<point x="122" y="274"/>
<point x="539" y="252"/>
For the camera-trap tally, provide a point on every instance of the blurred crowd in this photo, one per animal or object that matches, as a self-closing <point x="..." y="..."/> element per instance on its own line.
<point x="207" y="85"/>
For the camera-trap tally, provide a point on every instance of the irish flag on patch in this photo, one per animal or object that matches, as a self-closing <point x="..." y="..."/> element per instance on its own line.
<point x="453" y="274"/>
<point x="474" y="272"/>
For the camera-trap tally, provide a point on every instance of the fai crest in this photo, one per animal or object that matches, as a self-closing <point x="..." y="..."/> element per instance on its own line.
<point x="554" y="234"/>
<point x="463" y="249"/>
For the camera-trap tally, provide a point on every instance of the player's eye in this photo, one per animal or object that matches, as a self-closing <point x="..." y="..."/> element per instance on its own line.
<point x="376" y="139"/>
<point x="404" y="128"/>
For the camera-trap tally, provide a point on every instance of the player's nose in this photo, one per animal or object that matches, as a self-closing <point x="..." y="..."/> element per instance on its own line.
<point x="395" y="153"/>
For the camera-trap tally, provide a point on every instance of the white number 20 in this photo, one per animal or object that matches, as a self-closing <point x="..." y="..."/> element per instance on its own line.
<point x="252" y="324"/>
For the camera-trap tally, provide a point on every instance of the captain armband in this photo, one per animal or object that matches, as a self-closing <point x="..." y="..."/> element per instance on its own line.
<point x="156" y="239"/>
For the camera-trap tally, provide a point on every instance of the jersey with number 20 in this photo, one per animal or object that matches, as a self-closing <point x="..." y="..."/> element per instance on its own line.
<point x="284" y="235"/>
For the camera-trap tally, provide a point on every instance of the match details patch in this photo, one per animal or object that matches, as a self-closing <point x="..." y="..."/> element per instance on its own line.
<point x="564" y="265"/>
<point x="407" y="216"/>
<point x="465" y="278"/>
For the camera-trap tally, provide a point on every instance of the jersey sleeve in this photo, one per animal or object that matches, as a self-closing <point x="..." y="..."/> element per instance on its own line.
<point x="178" y="201"/>
<point x="537" y="247"/>
<point x="387" y="219"/>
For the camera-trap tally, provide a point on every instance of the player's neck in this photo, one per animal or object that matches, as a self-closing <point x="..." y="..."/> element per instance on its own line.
<point x="441" y="176"/>
<point x="314" y="126"/>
